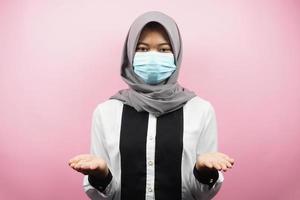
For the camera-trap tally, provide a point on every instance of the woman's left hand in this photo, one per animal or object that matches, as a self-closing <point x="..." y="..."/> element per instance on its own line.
<point x="214" y="160"/>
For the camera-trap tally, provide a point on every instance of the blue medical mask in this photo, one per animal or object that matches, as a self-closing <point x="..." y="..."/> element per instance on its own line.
<point x="153" y="67"/>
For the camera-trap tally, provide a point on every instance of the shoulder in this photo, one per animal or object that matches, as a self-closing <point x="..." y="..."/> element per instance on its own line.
<point x="109" y="106"/>
<point x="199" y="111"/>
<point x="198" y="103"/>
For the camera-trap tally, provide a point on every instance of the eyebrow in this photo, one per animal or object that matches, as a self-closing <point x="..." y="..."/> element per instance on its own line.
<point x="160" y="44"/>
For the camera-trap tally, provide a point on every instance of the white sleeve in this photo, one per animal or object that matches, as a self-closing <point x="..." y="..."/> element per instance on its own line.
<point x="98" y="148"/>
<point x="208" y="142"/>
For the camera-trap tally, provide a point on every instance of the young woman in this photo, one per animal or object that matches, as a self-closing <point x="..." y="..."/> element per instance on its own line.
<point x="155" y="140"/>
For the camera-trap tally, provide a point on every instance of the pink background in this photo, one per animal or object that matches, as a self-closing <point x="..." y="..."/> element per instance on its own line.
<point x="60" y="58"/>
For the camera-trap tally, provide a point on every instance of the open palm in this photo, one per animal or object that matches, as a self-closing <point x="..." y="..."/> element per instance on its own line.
<point x="89" y="164"/>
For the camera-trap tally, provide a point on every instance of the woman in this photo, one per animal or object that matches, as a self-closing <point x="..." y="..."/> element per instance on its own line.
<point x="155" y="140"/>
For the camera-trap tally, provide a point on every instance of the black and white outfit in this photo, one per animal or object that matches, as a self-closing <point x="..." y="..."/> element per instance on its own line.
<point x="151" y="135"/>
<point x="153" y="158"/>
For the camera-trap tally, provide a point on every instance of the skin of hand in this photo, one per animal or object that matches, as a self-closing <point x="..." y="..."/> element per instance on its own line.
<point x="214" y="160"/>
<point x="89" y="164"/>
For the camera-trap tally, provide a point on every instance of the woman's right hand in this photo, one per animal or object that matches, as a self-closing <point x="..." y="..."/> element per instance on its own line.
<point x="89" y="164"/>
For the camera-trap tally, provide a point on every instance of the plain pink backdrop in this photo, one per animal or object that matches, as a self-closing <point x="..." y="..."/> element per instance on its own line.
<point x="60" y="58"/>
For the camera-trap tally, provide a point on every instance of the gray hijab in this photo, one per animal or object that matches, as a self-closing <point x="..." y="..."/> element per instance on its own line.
<point x="164" y="97"/>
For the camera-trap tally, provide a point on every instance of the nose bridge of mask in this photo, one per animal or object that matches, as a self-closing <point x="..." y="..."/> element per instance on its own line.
<point x="154" y="58"/>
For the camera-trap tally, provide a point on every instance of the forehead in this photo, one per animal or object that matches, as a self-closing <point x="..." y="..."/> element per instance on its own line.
<point x="154" y="30"/>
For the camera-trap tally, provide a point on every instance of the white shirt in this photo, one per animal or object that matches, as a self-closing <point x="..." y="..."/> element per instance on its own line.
<point x="199" y="136"/>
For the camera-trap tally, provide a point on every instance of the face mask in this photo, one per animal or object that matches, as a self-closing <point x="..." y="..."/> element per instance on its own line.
<point x="153" y="67"/>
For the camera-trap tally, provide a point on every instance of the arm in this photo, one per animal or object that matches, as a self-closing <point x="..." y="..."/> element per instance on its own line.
<point x="205" y="183"/>
<point x="95" y="187"/>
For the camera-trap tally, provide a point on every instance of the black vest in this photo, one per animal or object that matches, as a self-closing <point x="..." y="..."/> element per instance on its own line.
<point x="168" y="154"/>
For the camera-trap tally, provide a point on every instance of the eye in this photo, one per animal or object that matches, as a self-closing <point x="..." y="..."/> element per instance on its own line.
<point x="141" y="49"/>
<point x="166" y="50"/>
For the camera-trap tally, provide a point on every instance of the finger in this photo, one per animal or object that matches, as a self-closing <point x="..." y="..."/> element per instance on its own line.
<point x="205" y="163"/>
<point x="225" y="156"/>
<point x="79" y="164"/>
<point x="225" y="162"/>
<point x="217" y="166"/>
<point x="229" y="159"/>
<point x="223" y="165"/>
<point x="208" y="164"/>
<point x="75" y="160"/>
<point x="72" y="165"/>
<point x="228" y="164"/>
<point x="93" y="166"/>
<point x="75" y="165"/>
<point x="80" y="157"/>
<point x="82" y="160"/>
<point x="85" y="166"/>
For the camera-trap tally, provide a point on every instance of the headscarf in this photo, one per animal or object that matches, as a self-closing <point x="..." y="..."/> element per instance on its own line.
<point x="161" y="98"/>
